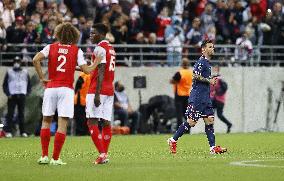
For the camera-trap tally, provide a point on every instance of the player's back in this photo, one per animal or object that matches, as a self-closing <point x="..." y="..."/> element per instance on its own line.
<point x="62" y="61"/>
<point x="107" y="84"/>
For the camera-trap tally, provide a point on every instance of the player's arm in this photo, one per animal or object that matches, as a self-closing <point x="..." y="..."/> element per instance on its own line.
<point x="88" y="69"/>
<point x="176" y="78"/>
<point x="205" y="80"/>
<point x="38" y="58"/>
<point x="199" y="78"/>
<point x="100" y="78"/>
<point x="82" y="63"/>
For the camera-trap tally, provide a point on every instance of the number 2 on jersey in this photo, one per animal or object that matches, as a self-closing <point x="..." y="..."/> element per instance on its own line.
<point x="59" y="67"/>
<point x="112" y="63"/>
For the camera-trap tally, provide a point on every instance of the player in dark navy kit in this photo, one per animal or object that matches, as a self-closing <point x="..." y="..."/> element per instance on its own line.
<point x="200" y="105"/>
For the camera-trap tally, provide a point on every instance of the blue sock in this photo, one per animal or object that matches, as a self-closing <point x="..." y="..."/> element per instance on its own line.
<point x="182" y="128"/>
<point x="209" y="130"/>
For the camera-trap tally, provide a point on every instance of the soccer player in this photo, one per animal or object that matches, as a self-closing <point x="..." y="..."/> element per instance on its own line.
<point x="63" y="56"/>
<point x="99" y="100"/>
<point x="200" y="105"/>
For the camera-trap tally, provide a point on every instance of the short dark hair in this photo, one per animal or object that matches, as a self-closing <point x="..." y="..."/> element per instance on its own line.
<point x="101" y="28"/>
<point x="205" y="42"/>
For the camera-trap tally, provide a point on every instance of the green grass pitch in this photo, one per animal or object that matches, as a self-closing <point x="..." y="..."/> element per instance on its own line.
<point x="260" y="157"/>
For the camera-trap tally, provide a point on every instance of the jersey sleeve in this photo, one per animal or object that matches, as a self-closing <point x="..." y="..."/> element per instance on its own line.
<point x="80" y="58"/>
<point x="100" y="51"/>
<point x="177" y="77"/>
<point x="45" y="51"/>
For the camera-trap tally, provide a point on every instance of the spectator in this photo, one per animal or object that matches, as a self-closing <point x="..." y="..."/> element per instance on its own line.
<point x="3" y="34"/>
<point x="162" y="21"/>
<point x="8" y="14"/>
<point x="22" y="10"/>
<point x="152" y="51"/>
<point x="221" y="22"/>
<point x="218" y="97"/>
<point x="174" y="36"/>
<point x="207" y="18"/>
<point x="81" y="90"/>
<point x="139" y="57"/>
<point x="16" y="86"/>
<point x="16" y="34"/>
<point x="258" y="8"/>
<point x="47" y="35"/>
<point x="134" y="25"/>
<point x="123" y="110"/>
<point x="35" y="18"/>
<point x="148" y="14"/>
<point x="243" y="51"/>
<point x="182" y="81"/>
<point x="194" y="37"/>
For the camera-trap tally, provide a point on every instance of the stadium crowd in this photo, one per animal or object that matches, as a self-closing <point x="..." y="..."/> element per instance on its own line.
<point x="246" y="23"/>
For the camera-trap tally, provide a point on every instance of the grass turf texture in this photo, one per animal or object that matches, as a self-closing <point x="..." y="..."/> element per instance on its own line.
<point x="147" y="158"/>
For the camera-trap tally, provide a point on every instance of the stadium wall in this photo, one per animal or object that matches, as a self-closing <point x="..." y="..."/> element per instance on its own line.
<point x="247" y="94"/>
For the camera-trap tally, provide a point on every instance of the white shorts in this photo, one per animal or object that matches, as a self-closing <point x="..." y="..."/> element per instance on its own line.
<point x="60" y="98"/>
<point x="104" y="111"/>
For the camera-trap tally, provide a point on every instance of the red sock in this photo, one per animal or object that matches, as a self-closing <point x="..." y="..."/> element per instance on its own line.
<point x="106" y="135"/>
<point x="44" y="139"/>
<point x="96" y="137"/>
<point x="58" y="144"/>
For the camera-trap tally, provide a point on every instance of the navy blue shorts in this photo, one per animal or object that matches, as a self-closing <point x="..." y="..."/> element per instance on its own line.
<point x="201" y="110"/>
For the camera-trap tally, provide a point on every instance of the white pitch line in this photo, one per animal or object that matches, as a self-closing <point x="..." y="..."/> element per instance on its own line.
<point x="253" y="163"/>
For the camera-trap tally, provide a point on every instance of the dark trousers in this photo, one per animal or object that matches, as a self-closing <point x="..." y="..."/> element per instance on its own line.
<point x="181" y="103"/>
<point x="19" y="101"/>
<point x="124" y="117"/>
<point x="80" y="120"/>
<point x="219" y="106"/>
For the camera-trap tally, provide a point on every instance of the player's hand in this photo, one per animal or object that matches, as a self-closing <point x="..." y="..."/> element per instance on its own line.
<point x="213" y="80"/>
<point x="44" y="81"/>
<point x="97" y="101"/>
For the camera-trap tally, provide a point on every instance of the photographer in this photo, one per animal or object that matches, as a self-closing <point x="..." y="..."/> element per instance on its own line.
<point x="174" y="36"/>
<point x="123" y="110"/>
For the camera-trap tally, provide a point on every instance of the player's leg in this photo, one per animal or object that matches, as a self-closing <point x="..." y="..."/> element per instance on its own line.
<point x="65" y="109"/>
<point x="9" y="119"/>
<point x="96" y="134"/>
<point x="192" y="118"/>
<point x="106" y="134"/>
<point x="209" y="130"/>
<point x="93" y="115"/>
<point x="208" y="117"/>
<point x="219" y="108"/>
<point x="59" y="140"/>
<point x="48" y="110"/>
<point x="45" y="139"/>
<point x="107" y="105"/>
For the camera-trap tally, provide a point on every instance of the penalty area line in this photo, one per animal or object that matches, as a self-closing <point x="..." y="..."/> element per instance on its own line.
<point x="256" y="163"/>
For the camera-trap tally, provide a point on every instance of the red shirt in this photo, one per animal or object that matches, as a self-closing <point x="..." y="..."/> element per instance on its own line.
<point x="162" y="23"/>
<point x="105" y="49"/>
<point x="62" y="61"/>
